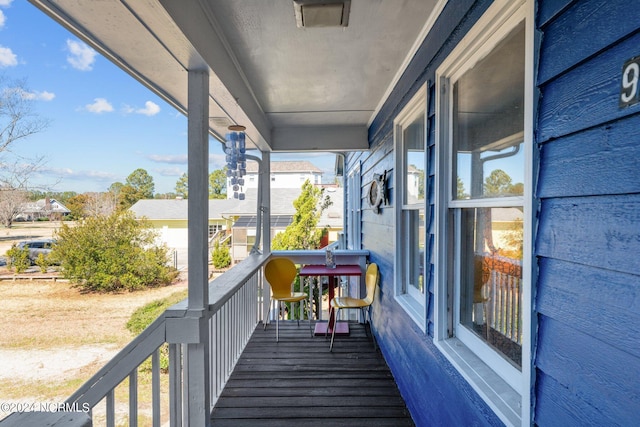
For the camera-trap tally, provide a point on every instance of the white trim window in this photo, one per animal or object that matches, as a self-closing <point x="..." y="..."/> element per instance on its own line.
<point x="411" y="166"/>
<point x="483" y="220"/>
<point x="354" y="207"/>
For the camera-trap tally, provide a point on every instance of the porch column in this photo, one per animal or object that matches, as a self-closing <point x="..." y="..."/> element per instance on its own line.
<point x="265" y="188"/>
<point x="198" y="216"/>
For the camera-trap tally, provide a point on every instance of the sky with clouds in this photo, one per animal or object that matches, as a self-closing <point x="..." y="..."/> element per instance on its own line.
<point x="103" y="124"/>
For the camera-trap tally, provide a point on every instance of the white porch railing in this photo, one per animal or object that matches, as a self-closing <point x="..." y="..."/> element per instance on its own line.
<point x="502" y="292"/>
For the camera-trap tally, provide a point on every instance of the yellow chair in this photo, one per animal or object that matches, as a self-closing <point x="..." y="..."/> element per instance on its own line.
<point x="280" y="274"/>
<point x="371" y="281"/>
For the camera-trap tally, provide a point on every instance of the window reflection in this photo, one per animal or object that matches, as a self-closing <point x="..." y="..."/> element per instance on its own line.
<point x="491" y="277"/>
<point x="488" y="124"/>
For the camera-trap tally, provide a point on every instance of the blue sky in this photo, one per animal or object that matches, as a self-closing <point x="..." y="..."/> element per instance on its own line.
<point x="103" y="123"/>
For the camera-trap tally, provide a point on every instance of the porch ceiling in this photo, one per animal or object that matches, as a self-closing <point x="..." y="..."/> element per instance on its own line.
<point x="295" y="89"/>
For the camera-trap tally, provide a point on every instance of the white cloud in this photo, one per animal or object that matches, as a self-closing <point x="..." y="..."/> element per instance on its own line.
<point x="38" y="96"/>
<point x="170" y="171"/>
<point x="100" y="105"/>
<point x="7" y="57"/>
<point x="177" y="159"/>
<point x="150" y="109"/>
<point x="81" y="57"/>
<point x="5" y="3"/>
<point x="2" y="19"/>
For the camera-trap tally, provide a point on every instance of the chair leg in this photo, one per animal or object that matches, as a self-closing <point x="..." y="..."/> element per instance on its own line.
<point x="309" y="316"/>
<point x="335" y="326"/>
<point x="326" y="332"/>
<point x="278" y="322"/>
<point x="266" y="321"/>
<point x="373" y="338"/>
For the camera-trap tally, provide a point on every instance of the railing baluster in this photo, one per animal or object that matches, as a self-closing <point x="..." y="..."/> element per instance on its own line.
<point x="185" y="384"/>
<point x="155" y="387"/>
<point x="175" y="386"/>
<point x="111" y="409"/>
<point x="133" y="398"/>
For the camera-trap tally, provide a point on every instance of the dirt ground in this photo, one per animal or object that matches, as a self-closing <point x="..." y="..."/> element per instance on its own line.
<point x="51" y="332"/>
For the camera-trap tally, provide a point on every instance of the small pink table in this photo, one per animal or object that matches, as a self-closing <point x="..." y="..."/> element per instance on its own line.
<point x="342" y="328"/>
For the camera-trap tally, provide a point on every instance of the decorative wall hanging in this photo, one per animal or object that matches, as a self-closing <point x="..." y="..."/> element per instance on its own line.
<point x="378" y="192"/>
<point x="235" y="149"/>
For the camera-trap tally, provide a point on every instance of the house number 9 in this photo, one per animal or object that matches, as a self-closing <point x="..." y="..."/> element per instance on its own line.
<point x="629" y="87"/>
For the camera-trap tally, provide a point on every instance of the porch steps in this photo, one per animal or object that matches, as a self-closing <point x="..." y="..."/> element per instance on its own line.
<point x="299" y="382"/>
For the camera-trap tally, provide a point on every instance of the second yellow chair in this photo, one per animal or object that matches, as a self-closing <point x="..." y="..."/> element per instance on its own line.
<point x="339" y="303"/>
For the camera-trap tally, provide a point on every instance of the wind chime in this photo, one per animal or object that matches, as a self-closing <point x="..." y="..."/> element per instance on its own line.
<point x="235" y="149"/>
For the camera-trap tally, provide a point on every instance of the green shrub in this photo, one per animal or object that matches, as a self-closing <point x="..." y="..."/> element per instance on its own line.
<point x="145" y="315"/>
<point x="42" y="261"/>
<point x="112" y="253"/>
<point x="220" y="257"/>
<point x="18" y="259"/>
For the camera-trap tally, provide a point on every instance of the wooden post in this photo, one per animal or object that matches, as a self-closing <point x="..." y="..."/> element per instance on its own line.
<point x="198" y="399"/>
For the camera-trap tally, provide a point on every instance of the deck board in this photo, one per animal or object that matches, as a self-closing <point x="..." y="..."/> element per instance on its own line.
<point x="297" y="381"/>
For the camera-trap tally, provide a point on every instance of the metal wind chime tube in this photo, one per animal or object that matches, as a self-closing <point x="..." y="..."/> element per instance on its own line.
<point x="235" y="150"/>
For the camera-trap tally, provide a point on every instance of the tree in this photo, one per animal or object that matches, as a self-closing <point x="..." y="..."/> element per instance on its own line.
<point x="17" y="117"/>
<point x="182" y="186"/>
<point x="498" y="183"/>
<point x="220" y="257"/>
<point x="11" y="202"/>
<point x="77" y="205"/>
<point x="460" y="193"/>
<point x="17" y="121"/>
<point x="18" y="258"/>
<point x="303" y="232"/>
<point x="99" y="204"/>
<point x="112" y="253"/>
<point x="142" y="182"/>
<point x="218" y="184"/>
<point x="138" y="185"/>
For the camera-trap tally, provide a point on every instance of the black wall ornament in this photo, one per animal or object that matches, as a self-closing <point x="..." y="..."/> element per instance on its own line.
<point x="378" y="192"/>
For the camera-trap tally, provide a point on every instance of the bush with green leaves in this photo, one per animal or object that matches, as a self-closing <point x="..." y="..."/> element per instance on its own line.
<point x="112" y="253"/>
<point x="145" y="315"/>
<point x="42" y="261"/>
<point x="18" y="259"/>
<point x="220" y="257"/>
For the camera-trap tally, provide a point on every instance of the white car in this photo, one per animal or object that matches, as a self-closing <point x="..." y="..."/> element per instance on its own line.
<point x="37" y="247"/>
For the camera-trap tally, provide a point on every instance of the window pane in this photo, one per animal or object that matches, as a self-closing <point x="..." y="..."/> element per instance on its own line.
<point x="488" y="123"/>
<point x="491" y="277"/>
<point x="414" y="233"/>
<point x="414" y="159"/>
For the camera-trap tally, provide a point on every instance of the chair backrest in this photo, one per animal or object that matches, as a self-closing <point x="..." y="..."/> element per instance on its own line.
<point x="371" y="281"/>
<point x="280" y="273"/>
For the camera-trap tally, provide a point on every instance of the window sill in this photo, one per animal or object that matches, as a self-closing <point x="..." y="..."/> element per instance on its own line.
<point x="501" y="398"/>
<point x="414" y="309"/>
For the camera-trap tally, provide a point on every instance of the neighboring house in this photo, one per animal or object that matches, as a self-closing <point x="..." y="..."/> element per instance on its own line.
<point x="282" y="211"/>
<point x="234" y="221"/>
<point x="284" y="174"/>
<point x="44" y="208"/>
<point x="169" y="217"/>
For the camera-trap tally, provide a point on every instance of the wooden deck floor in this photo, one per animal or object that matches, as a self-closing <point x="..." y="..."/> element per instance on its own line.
<point x="299" y="382"/>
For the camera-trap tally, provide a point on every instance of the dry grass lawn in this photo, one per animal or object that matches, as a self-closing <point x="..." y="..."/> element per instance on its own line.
<point x="53" y="338"/>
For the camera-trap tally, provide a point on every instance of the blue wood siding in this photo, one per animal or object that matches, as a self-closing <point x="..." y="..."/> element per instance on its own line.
<point x="436" y="394"/>
<point x="588" y="290"/>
